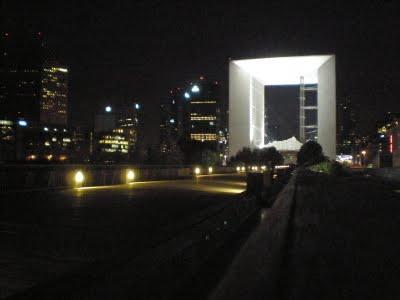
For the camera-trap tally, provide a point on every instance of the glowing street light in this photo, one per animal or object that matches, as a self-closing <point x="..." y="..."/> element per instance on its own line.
<point x="130" y="175"/>
<point x="22" y="123"/>
<point x="210" y="170"/>
<point x="197" y="171"/>
<point x="108" y="108"/>
<point x="79" y="177"/>
<point x="186" y="95"/>
<point x="195" y="89"/>
<point x="363" y="152"/>
<point x="238" y="169"/>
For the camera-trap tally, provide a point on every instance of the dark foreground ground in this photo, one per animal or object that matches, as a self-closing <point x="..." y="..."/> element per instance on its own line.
<point x="47" y="235"/>
<point x="341" y="241"/>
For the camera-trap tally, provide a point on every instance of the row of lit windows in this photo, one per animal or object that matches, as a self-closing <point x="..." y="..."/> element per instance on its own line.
<point x="203" y="102"/>
<point x="203" y="118"/>
<point x="5" y="122"/>
<point x="54" y="69"/>
<point x="110" y="150"/>
<point x="203" y="136"/>
<point x="113" y="142"/>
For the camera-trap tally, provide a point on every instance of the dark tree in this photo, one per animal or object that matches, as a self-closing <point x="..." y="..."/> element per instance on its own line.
<point x="271" y="157"/>
<point x="244" y="156"/>
<point x="310" y="153"/>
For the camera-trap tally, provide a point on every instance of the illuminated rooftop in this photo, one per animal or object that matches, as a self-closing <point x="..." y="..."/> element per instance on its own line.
<point x="284" y="70"/>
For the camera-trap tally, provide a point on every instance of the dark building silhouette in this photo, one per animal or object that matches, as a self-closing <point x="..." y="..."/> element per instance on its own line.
<point x="347" y="141"/>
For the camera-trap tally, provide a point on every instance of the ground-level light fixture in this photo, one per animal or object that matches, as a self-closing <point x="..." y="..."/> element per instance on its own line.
<point x="197" y="171"/>
<point x="238" y="169"/>
<point x="130" y="175"/>
<point x="79" y="177"/>
<point x="210" y="170"/>
<point x="243" y="168"/>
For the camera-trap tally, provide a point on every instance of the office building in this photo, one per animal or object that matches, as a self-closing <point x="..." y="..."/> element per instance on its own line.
<point x="347" y="140"/>
<point x="54" y="95"/>
<point x="248" y="99"/>
<point x="193" y="117"/>
<point x="32" y="88"/>
<point x="117" y="132"/>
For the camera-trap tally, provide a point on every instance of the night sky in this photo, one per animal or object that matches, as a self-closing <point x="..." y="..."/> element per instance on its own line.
<point x="117" y="50"/>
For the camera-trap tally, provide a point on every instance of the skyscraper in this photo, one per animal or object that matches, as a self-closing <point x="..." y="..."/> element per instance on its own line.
<point x="346" y="128"/>
<point x="32" y="88"/>
<point x="21" y="64"/>
<point x="193" y="118"/>
<point x="54" y="95"/>
<point x="118" y="131"/>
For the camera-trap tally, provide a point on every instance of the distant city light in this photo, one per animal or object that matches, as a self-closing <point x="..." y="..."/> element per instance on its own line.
<point x="55" y="129"/>
<point x="382" y="135"/>
<point x="210" y="170"/>
<point x="46" y="129"/>
<point x="108" y="109"/>
<point x="172" y="121"/>
<point x="195" y="89"/>
<point x="187" y="95"/>
<point x="79" y="177"/>
<point x="137" y="106"/>
<point x="31" y="157"/>
<point x="130" y="175"/>
<point x="238" y="169"/>
<point x="22" y="123"/>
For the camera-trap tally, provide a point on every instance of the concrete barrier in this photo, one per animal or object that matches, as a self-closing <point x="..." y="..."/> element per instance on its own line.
<point x="256" y="271"/>
<point x="257" y="182"/>
<point x="16" y="177"/>
<point x="388" y="174"/>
